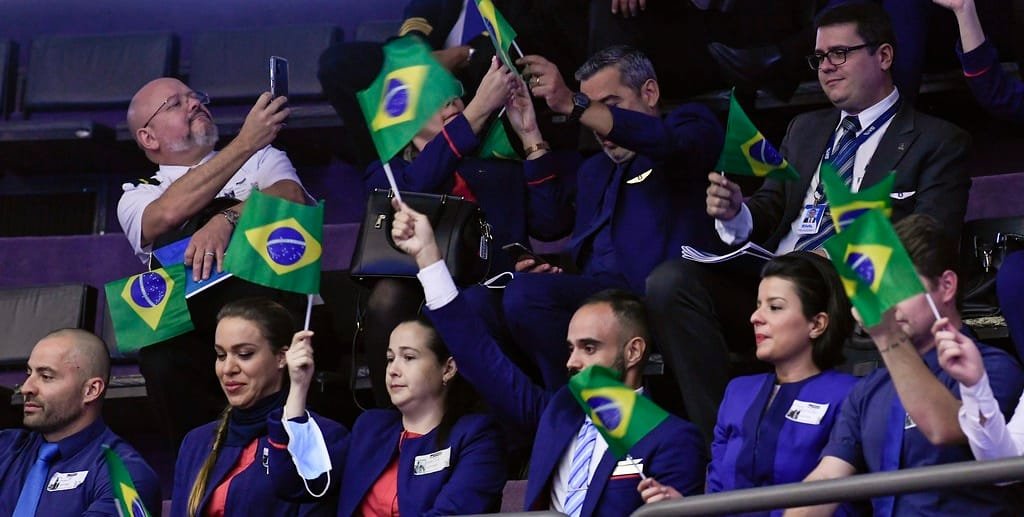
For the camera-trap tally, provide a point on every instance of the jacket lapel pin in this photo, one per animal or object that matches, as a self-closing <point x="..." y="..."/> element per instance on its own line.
<point x="640" y="178"/>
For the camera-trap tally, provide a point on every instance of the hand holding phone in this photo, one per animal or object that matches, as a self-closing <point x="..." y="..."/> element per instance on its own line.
<point x="520" y="252"/>
<point x="278" y="77"/>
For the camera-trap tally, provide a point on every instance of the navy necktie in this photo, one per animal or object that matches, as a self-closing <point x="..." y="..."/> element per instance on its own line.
<point x="842" y="158"/>
<point x="33" y="488"/>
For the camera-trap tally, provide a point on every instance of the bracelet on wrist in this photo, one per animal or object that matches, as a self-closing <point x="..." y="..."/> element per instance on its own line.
<point x="231" y="216"/>
<point x="539" y="146"/>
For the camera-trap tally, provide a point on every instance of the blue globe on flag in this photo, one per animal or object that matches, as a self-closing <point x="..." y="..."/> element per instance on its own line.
<point x="286" y="246"/>
<point x="148" y="290"/>
<point x="396" y="97"/>
<point x="847" y="217"/>
<point x="607" y="410"/>
<point x="763" y="152"/>
<point x="863" y="266"/>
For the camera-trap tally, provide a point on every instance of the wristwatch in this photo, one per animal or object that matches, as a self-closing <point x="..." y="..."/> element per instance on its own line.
<point x="580" y="103"/>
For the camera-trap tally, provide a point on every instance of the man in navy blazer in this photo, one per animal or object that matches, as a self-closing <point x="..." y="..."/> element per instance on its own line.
<point x="636" y="201"/>
<point x="699" y="312"/>
<point x="610" y="330"/>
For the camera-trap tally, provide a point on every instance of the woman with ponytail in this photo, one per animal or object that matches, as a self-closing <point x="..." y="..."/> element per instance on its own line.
<point x="224" y="468"/>
<point x="772" y="427"/>
<point x="430" y="456"/>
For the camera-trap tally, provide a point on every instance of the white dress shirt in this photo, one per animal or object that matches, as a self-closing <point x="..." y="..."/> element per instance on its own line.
<point x="995" y="438"/>
<point x="738" y="229"/>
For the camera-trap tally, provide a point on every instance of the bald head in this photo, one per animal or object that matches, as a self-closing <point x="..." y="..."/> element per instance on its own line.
<point x="170" y="123"/>
<point x="149" y="98"/>
<point x="84" y="351"/>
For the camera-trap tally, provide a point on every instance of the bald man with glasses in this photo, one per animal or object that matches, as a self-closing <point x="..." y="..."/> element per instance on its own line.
<point x="198" y="193"/>
<point x="700" y="313"/>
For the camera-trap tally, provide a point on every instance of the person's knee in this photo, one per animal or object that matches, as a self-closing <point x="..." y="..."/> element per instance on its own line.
<point x="1010" y="280"/>
<point x="523" y="294"/>
<point x="672" y="277"/>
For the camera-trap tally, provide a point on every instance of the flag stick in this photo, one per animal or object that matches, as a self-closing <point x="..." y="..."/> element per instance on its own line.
<point x="637" y="467"/>
<point x="931" y="303"/>
<point x="309" y="310"/>
<point x="517" y="49"/>
<point x="391" y="181"/>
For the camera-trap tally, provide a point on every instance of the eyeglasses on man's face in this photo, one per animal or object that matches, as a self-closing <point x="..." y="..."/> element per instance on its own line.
<point x="176" y="101"/>
<point x="835" y="56"/>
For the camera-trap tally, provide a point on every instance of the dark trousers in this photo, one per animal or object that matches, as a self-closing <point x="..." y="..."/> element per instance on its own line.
<point x="181" y="384"/>
<point x="1010" y="288"/>
<point x="538" y="307"/>
<point x="700" y="315"/>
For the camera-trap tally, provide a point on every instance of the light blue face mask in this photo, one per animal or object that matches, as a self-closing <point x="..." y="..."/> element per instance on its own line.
<point x="308" y="450"/>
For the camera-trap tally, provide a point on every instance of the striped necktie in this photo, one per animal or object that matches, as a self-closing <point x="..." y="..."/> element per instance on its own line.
<point x="33" y="488"/>
<point x="842" y="159"/>
<point x="579" y="472"/>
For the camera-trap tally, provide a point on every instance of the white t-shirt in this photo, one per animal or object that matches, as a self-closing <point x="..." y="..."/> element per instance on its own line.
<point x="263" y="169"/>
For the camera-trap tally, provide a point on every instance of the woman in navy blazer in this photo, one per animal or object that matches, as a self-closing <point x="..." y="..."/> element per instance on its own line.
<point x="224" y="467"/>
<point x="431" y="456"/>
<point x="772" y="427"/>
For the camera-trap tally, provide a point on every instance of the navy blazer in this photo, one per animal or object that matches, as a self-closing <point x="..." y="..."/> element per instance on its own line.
<point x="513" y="211"/>
<point x="252" y="491"/>
<point x="673" y="452"/>
<point x="929" y="156"/>
<point x="657" y="200"/>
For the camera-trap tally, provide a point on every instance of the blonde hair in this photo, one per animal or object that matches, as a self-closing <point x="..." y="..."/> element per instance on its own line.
<point x="195" y="496"/>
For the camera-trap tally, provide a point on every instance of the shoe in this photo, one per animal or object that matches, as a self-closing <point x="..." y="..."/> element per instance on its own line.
<point x="753" y="68"/>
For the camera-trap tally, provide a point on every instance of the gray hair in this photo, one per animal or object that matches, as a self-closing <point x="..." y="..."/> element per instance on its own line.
<point x="634" y="66"/>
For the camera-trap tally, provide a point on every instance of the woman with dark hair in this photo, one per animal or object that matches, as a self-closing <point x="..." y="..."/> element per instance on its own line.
<point x="224" y="467"/>
<point x="429" y="456"/>
<point x="772" y="427"/>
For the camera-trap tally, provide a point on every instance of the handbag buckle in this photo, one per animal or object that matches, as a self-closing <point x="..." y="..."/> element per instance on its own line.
<point x="377" y="225"/>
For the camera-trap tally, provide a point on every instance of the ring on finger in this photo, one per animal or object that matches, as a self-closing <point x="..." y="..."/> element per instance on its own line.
<point x="210" y="254"/>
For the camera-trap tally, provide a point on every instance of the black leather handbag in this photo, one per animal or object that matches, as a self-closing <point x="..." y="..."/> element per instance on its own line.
<point x="461" y="231"/>
<point x="984" y="244"/>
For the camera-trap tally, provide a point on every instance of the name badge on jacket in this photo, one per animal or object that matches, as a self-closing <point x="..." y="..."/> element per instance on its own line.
<point x="629" y="467"/>
<point x="807" y="412"/>
<point x="433" y="462"/>
<point x="66" y="480"/>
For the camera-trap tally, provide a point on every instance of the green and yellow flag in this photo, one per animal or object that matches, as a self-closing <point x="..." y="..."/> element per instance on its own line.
<point x="149" y="307"/>
<point x="496" y="143"/>
<point x="746" y="151"/>
<point x="875" y="269"/>
<point x="278" y="244"/>
<point x="622" y="415"/>
<point x="846" y="206"/>
<point x="126" y="497"/>
<point x="410" y="88"/>
<point x="498" y="28"/>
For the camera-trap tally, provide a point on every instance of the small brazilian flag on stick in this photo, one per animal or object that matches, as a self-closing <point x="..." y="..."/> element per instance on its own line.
<point x="746" y="151"/>
<point x="126" y="497"/>
<point x="875" y="269"/>
<point x="149" y="307"/>
<point x="621" y="415"/>
<point x="846" y="206"/>
<point x="410" y="88"/>
<point x="496" y="144"/>
<point x="502" y="34"/>
<point x="278" y="244"/>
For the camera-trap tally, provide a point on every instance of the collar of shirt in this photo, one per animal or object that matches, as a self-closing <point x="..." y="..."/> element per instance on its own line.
<point x="72" y="444"/>
<point x="173" y="172"/>
<point x="866" y="117"/>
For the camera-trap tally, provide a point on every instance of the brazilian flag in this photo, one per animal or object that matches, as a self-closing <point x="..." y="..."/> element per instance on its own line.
<point x="747" y="152"/>
<point x="149" y="307"/>
<point x="500" y="31"/>
<point x="621" y="415"/>
<point x="411" y="87"/>
<point x="496" y="144"/>
<point x="875" y="269"/>
<point x="278" y="244"/>
<point x="846" y="206"/>
<point x="126" y="497"/>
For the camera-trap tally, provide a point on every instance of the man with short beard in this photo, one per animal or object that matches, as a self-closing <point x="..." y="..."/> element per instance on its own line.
<point x="56" y="465"/>
<point x="198" y="192"/>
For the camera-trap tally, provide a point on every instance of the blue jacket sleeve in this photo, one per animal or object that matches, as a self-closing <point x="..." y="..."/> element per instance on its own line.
<point x="479" y="476"/>
<point x="434" y="166"/>
<point x="690" y="133"/>
<point x="288" y="485"/>
<point x="510" y="392"/>
<point x="549" y="194"/>
<point x="682" y="461"/>
<point x="997" y="92"/>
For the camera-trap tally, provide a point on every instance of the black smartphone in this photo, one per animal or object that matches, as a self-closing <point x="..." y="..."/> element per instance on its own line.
<point x="520" y="252"/>
<point x="278" y="77"/>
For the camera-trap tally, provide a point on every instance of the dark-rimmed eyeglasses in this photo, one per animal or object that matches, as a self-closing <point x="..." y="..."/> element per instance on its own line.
<point x="178" y="100"/>
<point x="835" y="56"/>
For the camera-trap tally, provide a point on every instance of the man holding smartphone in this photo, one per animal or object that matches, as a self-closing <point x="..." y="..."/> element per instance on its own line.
<point x="199" y="192"/>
